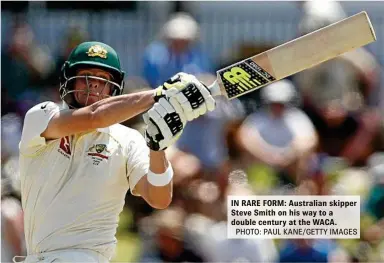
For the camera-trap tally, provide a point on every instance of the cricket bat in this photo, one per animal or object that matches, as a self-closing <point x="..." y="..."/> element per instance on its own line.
<point x="294" y="56"/>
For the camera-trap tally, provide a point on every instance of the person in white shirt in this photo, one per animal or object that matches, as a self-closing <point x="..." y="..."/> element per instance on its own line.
<point x="280" y="135"/>
<point x="77" y="162"/>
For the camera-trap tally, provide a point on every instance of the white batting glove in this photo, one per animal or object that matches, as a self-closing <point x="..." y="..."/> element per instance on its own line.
<point x="164" y="125"/>
<point x="185" y="92"/>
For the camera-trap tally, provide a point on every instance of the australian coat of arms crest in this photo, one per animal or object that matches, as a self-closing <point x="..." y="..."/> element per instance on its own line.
<point x="98" y="153"/>
<point x="97" y="51"/>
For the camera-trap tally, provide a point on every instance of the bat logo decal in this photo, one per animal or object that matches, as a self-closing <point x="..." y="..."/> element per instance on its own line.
<point x="237" y="76"/>
<point x="244" y="77"/>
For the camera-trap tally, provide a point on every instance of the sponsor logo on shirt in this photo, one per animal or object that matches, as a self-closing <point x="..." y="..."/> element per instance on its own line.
<point x="65" y="147"/>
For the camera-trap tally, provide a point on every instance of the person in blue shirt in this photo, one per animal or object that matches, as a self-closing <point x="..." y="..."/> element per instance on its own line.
<point x="176" y="51"/>
<point x="306" y="250"/>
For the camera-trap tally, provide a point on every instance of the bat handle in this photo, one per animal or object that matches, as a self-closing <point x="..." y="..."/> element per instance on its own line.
<point x="214" y="88"/>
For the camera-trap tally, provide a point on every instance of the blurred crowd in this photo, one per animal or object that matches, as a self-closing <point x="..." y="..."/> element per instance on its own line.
<point x="319" y="132"/>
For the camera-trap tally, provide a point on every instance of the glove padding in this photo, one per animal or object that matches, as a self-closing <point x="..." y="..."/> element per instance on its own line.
<point x="164" y="125"/>
<point x="185" y="92"/>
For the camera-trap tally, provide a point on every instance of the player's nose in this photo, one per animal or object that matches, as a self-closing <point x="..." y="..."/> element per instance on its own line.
<point x="94" y="84"/>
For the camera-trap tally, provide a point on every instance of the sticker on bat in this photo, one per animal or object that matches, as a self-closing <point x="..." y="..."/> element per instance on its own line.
<point x="260" y="70"/>
<point x="243" y="77"/>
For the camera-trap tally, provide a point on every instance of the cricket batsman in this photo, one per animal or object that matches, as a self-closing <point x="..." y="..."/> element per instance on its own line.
<point x="77" y="162"/>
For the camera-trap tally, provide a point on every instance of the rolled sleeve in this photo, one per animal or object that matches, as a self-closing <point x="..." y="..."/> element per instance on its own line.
<point x="35" y="122"/>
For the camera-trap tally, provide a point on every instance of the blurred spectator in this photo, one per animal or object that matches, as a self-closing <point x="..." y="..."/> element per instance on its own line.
<point x="318" y="14"/>
<point x="209" y="237"/>
<point x="170" y="245"/>
<point x="357" y="71"/>
<point x="75" y="35"/>
<point x="177" y="51"/>
<point x="279" y="135"/>
<point x="375" y="199"/>
<point x="11" y="126"/>
<point x="336" y="93"/>
<point x="27" y="65"/>
<point x="12" y="229"/>
<point x="12" y="234"/>
<point x="307" y="250"/>
<point x="12" y="241"/>
<point x="353" y="136"/>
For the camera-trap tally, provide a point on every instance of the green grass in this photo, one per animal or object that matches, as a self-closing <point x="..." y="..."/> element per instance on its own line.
<point x="128" y="248"/>
<point x="128" y="244"/>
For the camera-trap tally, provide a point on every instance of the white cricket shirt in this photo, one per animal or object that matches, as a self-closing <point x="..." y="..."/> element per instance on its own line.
<point x="73" y="188"/>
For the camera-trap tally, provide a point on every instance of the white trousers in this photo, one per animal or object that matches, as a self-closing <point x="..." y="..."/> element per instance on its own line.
<point x="68" y="255"/>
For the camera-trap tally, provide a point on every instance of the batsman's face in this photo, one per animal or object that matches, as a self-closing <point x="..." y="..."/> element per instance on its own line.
<point x="92" y="85"/>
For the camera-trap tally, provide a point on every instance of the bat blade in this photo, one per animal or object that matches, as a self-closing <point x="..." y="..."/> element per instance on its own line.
<point x="294" y="56"/>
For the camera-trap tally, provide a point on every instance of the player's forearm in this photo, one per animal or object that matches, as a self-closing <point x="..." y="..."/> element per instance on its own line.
<point x="159" y="196"/>
<point x="120" y="108"/>
<point x="158" y="162"/>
